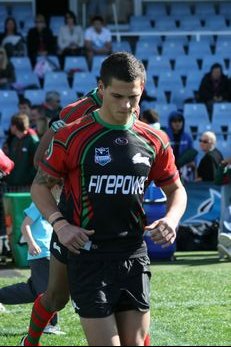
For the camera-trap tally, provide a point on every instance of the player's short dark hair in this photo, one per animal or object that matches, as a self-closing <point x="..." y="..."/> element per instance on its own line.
<point x="122" y="66"/>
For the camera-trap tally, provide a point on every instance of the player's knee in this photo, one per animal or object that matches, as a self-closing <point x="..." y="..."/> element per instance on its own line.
<point x="56" y="300"/>
<point x="131" y="340"/>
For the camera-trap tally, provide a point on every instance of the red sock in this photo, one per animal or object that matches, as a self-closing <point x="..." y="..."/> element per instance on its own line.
<point x="39" y="320"/>
<point x="147" y="341"/>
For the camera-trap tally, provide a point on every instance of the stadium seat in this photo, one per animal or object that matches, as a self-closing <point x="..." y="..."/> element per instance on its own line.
<point x="179" y="9"/>
<point x="170" y="80"/>
<point x="75" y="63"/>
<point x="165" y="24"/>
<point x="197" y="49"/>
<point x="164" y="110"/>
<point x="55" y="23"/>
<point x="53" y="79"/>
<point x="225" y="9"/>
<point x="157" y="65"/>
<point x="196" y="114"/>
<point x="96" y="65"/>
<point x="7" y="111"/>
<point x="68" y="96"/>
<point x="155" y="10"/>
<point x="121" y="46"/>
<point x="190" y="23"/>
<point x="215" y="22"/>
<point x="185" y="63"/>
<point x="204" y="9"/>
<point x="172" y="49"/>
<point x="8" y="97"/>
<point x="178" y="96"/>
<point x="28" y="80"/>
<point x="84" y="82"/>
<point x="140" y="23"/>
<point x="53" y="59"/>
<point x="145" y="50"/>
<point x="209" y="60"/>
<point x="36" y="96"/>
<point x="193" y="79"/>
<point x="21" y="63"/>
<point x="221" y="116"/>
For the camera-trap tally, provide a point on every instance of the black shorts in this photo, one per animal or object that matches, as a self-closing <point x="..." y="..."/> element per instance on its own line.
<point x="57" y="249"/>
<point x="102" y="287"/>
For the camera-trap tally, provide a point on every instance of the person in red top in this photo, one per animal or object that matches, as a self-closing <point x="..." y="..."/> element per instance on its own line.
<point x="106" y="159"/>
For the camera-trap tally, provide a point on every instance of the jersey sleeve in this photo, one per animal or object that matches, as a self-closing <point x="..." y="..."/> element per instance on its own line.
<point x="57" y="162"/>
<point x="164" y="170"/>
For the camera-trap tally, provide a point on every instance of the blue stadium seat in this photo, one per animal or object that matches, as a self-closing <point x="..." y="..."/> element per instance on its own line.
<point x="27" y="79"/>
<point x="185" y="63"/>
<point x="67" y="96"/>
<point x="8" y="97"/>
<point x="84" y="82"/>
<point x="204" y="9"/>
<point x="164" y="110"/>
<point x="53" y="79"/>
<point x="178" y="96"/>
<point x="209" y="60"/>
<point x="144" y="50"/>
<point x="225" y="9"/>
<point x="183" y="39"/>
<point x="53" y="59"/>
<point x="172" y="49"/>
<point x="165" y="24"/>
<point x="121" y="46"/>
<point x="190" y="23"/>
<point x="96" y="65"/>
<point x="36" y="96"/>
<point x="55" y="23"/>
<point x="7" y="111"/>
<point x="198" y="49"/>
<point x="179" y="9"/>
<point x="157" y="65"/>
<point x="193" y="79"/>
<point x="155" y="10"/>
<point x="72" y="62"/>
<point x="221" y="115"/>
<point x="196" y="114"/>
<point x="216" y="22"/>
<point x="170" y="80"/>
<point x="21" y="63"/>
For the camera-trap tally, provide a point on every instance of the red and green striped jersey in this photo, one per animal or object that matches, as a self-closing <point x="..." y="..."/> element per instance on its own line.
<point x="106" y="169"/>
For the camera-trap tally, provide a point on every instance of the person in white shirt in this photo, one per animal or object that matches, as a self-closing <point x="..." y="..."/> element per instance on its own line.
<point x="97" y="39"/>
<point x="70" y="38"/>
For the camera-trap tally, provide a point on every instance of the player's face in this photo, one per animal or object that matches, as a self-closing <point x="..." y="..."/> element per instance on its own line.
<point x="120" y="100"/>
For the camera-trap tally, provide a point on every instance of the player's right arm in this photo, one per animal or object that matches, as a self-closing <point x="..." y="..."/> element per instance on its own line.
<point x="72" y="237"/>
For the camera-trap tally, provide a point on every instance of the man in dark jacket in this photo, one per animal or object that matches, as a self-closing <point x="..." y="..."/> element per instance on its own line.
<point x="214" y="87"/>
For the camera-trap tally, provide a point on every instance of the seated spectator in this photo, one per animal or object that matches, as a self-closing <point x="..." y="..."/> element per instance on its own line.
<point x="208" y="165"/>
<point x="52" y="105"/>
<point x="7" y="72"/>
<point x="70" y="38"/>
<point x="98" y="40"/>
<point x="21" y="150"/>
<point x="151" y="117"/>
<point x="37" y="112"/>
<point x="214" y="87"/>
<point x="40" y="40"/>
<point x="182" y="145"/>
<point x="12" y="40"/>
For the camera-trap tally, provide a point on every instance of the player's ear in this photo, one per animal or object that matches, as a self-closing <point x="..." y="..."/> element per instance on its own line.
<point x="100" y="86"/>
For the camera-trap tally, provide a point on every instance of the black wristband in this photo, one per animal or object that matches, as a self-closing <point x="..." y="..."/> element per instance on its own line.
<point x="57" y="220"/>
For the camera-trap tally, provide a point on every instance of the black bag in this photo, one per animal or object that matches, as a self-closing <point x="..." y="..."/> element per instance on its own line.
<point x="202" y="237"/>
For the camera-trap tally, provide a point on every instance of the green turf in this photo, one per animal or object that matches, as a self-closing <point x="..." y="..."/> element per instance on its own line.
<point x="191" y="306"/>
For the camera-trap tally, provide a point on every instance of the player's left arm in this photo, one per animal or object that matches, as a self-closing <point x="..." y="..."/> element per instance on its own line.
<point x="163" y="231"/>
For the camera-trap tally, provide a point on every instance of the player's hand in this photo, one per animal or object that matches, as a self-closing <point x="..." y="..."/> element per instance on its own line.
<point x="73" y="237"/>
<point x="34" y="249"/>
<point x="162" y="232"/>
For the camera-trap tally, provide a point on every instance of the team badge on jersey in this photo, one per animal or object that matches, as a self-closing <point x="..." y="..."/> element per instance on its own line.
<point x="102" y="156"/>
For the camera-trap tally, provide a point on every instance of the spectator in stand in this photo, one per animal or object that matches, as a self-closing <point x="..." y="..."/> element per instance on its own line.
<point x="52" y="105"/>
<point x="21" y="150"/>
<point x="208" y="165"/>
<point x="7" y="72"/>
<point x="37" y="112"/>
<point x="70" y="38"/>
<point x="25" y="106"/>
<point x="40" y="40"/>
<point x="214" y="87"/>
<point x="12" y="40"/>
<point x="98" y="40"/>
<point x="182" y="145"/>
<point x="151" y="117"/>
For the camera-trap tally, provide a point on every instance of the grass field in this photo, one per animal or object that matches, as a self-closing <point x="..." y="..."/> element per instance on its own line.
<point x="191" y="306"/>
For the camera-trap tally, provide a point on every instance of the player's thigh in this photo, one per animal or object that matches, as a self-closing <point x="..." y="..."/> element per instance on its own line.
<point x="101" y="331"/>
<point x="133" y="326"/>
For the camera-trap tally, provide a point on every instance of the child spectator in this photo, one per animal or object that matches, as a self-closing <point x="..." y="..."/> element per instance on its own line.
<point x="37" y="233"/>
